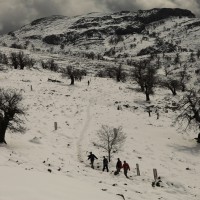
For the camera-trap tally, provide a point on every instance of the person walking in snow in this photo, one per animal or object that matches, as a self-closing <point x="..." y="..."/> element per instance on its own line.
<point x="126" y="167"/>
<point x="105" y="164"/>
<point x="157" y="113"/>
<point x="92" y="157"/>
<point x="118" y="166"/>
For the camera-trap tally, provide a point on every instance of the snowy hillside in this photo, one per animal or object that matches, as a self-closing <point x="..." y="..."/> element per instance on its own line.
<point x="80" y="110"/>
<point x="48" y="163"/>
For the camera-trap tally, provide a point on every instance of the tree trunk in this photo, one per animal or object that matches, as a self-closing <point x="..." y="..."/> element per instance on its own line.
<point x="72" y="79"/>
<point x="183" y="88"/>
<point x="3" y="128"/>
<point x="174" y="92"/>
<point x="118" y="78"/>
<point x="147" y="96"/>
<point x="109" y="155"/>
<point x="142" y="88"/>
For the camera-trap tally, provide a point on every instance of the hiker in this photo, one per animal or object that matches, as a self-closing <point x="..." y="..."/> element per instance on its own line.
<point x="126" y="167"/>
<point x="92" y="157"/>
<point x="105" y="164"/>
<point x="88" y="82"/>
<point x="118" y="165"/>
<point x="157" y="113"/>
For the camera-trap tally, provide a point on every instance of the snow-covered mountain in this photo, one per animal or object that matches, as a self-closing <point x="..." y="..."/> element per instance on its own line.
<point x="114" y="34"/>
<point x="44" y="163"/>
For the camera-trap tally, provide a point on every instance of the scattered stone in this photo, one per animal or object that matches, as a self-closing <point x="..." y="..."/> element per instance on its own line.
<point x="126" y="105"/>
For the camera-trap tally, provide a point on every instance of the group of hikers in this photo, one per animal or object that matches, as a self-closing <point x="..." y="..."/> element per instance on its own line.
<point x="119" y="165"/>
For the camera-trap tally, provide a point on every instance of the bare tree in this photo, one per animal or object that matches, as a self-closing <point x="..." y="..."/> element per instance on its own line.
<point x="183" y="77"/>
<point x="192" y="57"/>
<point x="170" y="83"/>
<point x="14" y="60"/>
<point x="69" y="72"/>
<point x="177" y="59"/>
<point x="116" y="72"/>
<point x="189" y="108"/>
<point x="3" y="59"/>
<point x="150" y="81"/>
<point x="145" y="76"/>
<point x="138" y="73"/>
<point x="168" y="70"/>
<point x="30" y="62"/>
<point x="198" y="53"/>
<point x="120" y="74"/>
<point x="22" y="59"/>
<point x="18" y="60"/>
<point x="73" y="73"/>
<point x="10" y="110"/>
<point x="110" y="139"/>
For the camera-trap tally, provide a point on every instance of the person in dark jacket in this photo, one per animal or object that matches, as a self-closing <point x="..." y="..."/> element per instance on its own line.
<point x="92" y="157"/>
<point x="105" y="163"/>
<point x="126" y="167"/>
<point x="118" y="165"/>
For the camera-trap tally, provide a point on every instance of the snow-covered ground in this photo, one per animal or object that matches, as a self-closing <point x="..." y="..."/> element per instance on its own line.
<point x="50" y="164"/>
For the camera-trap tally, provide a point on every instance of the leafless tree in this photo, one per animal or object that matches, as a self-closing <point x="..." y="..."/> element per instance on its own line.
<point x="145" y="76"/>
<point x="22" y="59"/>
<point x="3" y="59"/>
<point x="18" y="60"/>
<point x="192" y="57"/>
<point x="69" y="72"/>
<point x="110" y="139"/>
<point x="138" y="73"/>
<point x="183" y="77"/>
<point x="10" y="111"/>
<point x="14" y="60"/>
<point x="73" y="73"/>
<point x="116" y="73"/>
<point x="189" y="108"/>
<point x="170" y="83"/>
<point x="198" y="53"/>
<point x="177" y="59"/>
<point x="30" y="62"/>
<point x="50" y="65"/>
<point x="120" y="74"/>
<point x="168" y="70"/>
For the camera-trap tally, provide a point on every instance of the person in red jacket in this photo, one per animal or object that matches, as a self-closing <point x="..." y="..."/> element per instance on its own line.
<point x="126" y="167"/>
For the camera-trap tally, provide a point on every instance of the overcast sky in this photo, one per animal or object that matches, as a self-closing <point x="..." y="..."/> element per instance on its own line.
<point x="16" y="13"/>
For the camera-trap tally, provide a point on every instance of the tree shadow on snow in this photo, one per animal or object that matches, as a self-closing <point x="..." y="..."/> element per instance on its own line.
<point x="195" y="149"/>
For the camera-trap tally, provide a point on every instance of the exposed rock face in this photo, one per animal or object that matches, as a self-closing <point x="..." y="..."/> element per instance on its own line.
<point x="95" y="31"/>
